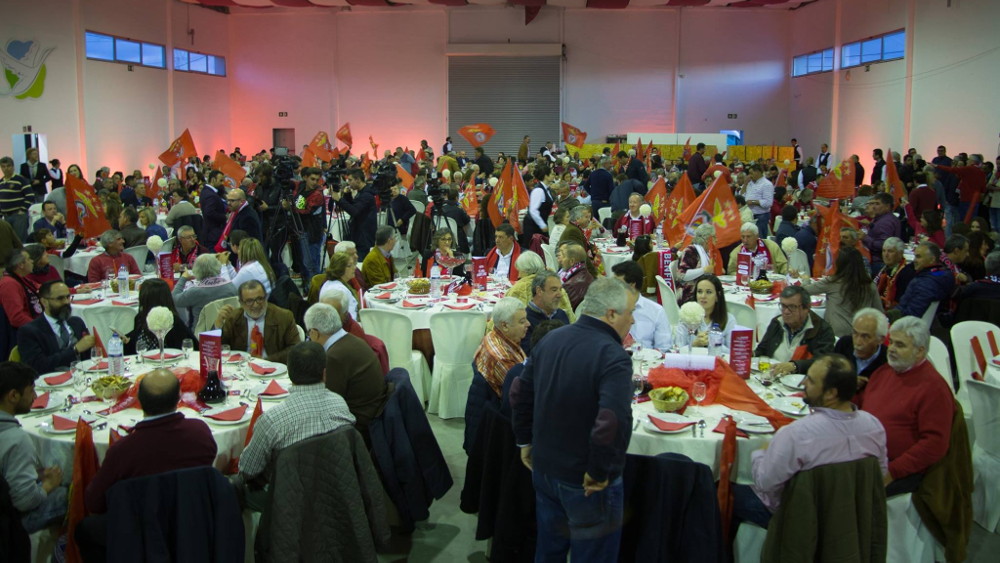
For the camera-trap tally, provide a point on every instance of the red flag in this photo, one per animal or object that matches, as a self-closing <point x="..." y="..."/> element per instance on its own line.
<point x="726" y="463"/>
<point x="84" y="211"/>
<point x="182" y="148"/>
<point x="657" y="196"/>
<point x="674" y="206"/>
<point x="344" y="134"/>
<point x="828" y="239"/>
<point x="573" y="135"/>
<point x="308" y="158"/>
<point x="371" y="142"/>
<point x="718" y="206"/>
<point x="404" y="175"/>
<point x="687" y="149"/>
<point x="84" y="469"/>
<point x="232" y="169"/>
<point x="518" y="200"/>
<point x="320" y="147"/>
<point x="782" y="180"/>
<point x="838" y="184"/>
<point x="616" y="150"/>
<point x="892" y="181"/>
<point x="498" y="201"/>
<point x="477" y="134"/>
<point x="649" y="155"/>
<point x="639" y="150"/>
<point x="153" y="191"/>
<point x="716" y="257"/>
<point x="470" y="201"/>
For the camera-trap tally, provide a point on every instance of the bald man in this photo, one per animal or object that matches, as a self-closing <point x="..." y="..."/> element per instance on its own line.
<point x="242" y="216"/>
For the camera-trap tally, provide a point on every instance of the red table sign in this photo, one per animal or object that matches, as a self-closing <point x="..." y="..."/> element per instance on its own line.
<point x="740" y="351"/>
<point x="743" y="268"/>
<point x="165" y="261"/>
<point x="210" y="345"/>
<point x="480" y="275"/>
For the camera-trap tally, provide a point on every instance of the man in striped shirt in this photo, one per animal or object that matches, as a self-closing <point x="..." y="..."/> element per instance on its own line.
<point x="15" y="198"/>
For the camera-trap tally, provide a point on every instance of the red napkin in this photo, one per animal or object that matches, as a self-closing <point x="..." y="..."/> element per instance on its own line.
<point x="124" y="303"/>
<point x="274" y="389"/>
<point x="234" y="357"/>
<point x="61" y="423"/>
<point x="101" y="365"/>
<point x="166" y="356"/>
<point x="996" y="361"/>
<point x="464" y="290"/>
<point x="799" y="394"/>
<point x="411" y="304"/>
<point x="261" y="370"/>
<point x="669" y="426"/>
<point x="58" y="379"/>
<point x="765" y="297"/>
<point x="817" y="303"/>
<point x="721" y="428"/>
<point x="87" y="301"/>
<point x="460" y="306"/>
<point x="229" y="415"/>
<point x="385" y="295"/>
<point x="642" y="399"/>
<point x="41" y="401"/>
<point x="387" y="286"/>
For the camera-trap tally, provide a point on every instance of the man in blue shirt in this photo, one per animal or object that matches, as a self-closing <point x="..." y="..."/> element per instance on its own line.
<point x="51" y="219"/>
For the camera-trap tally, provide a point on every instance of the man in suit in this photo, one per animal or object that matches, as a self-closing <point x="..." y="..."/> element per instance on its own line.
<point x="261" y="328"/>
<point x="213" y="209"/>
<point x="352" y="369"/>
<point x="636" y="169"/>
<point x="55" y="339"/>
<point x="128" y="223"/>
<point x="36" y="173"/>
<point x="377" y="266"/>
<point x="522" y="151"/>
<point x="243" y="217"/>
<point x="358" y="199"/>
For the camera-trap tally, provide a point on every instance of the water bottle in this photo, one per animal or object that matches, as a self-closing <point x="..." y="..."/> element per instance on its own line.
<point x="116" y="357"/>
<point x="70" y="235"/>
<point x="659" y="236"/>
<point x="716" y="340"/>
<point x="123" y="282"/>
<point x="435" y="282"/>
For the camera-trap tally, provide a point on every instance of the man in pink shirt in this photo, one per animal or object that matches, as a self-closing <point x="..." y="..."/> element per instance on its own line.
<point x="835" y="431"/>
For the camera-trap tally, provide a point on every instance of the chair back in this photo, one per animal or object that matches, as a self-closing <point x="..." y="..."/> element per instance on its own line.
<point x="194" y="221"/>
<point x="603" y="214"/>
<point x="669" y="301"/>
<point x="985" y="399"/>
<point x="395" y="330"/>
<point x="930" y="313"/>
<point x="106" y="317"/>
<point x="418" y="205"/>
<point x="549" y="254"/>
<point x="140" y="253"/>
<point x="206" y="319"/>
<point x="58" y="265"/>
<point x="938" y="354"/>
<point x="168" y="245"/>
<point x="456" y="335"/>
<point x="745" y="315"/>
<point x="965" y="337"/>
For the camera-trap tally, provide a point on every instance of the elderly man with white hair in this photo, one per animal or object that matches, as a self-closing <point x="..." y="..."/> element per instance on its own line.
<point x="863" y="347"/>
<point x="114" y="257"/>
<point x="633" y="221"/>
<point x="913" y="403"/>
<point x="209" y="285"/>
<point x="755" y="246"/>
<point x="501" y="349"/>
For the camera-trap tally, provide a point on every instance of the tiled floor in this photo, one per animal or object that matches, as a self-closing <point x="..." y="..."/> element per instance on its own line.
<point x="449" y="534"/>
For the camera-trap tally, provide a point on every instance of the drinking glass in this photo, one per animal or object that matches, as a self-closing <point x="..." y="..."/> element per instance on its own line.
<point x="638" y="386"/>
<point x="764" y="364"/>
<point x="141" y="347"/>
<point x="226" y="350"/>
<point x="187" y="345"/>
<point x="699" y="390"/>
<point x="80" y="382"/>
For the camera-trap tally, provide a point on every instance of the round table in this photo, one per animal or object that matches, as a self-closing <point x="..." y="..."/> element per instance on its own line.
<point x="611" y="254"/>
<point x="79" y="262"/>
<point x="766" y="306"/>
<point x="57" y="449"/>
<point x="419" y="308"/>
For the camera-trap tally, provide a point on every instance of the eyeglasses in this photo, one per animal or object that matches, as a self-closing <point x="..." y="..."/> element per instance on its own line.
<point x="792" y="308"/>
<point x="254" y="301"/>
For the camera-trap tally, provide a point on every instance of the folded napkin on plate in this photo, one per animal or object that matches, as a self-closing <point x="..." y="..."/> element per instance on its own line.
<point x="460" y="306"/>
<point x="412" y="305"/>
<point x="58" y="379"/>
<point x="86" y="301"/>
<point x="128" y="303"/>
<point x="41" y="401"/>
<point x="798" y="394"/>
<point x="166" y="356"/>
<point x="385" y="295"/>
<point x="62" y="423"/>
<point x="464" y="290"/>
<point x="99" y="366"/>
<point x="669" y="426"/>
<point x="817" y="302"/>
<point x="229" y="415"/>
<point x="387" y="286"/>
<point x="274" y="388"/>
<point x="642" y="399"/>
<point x="721" y="429"/>
<point x="261" y="370"/>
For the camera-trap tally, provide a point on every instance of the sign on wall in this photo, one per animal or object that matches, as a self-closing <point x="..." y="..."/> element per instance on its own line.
<point x="23" y="69"/>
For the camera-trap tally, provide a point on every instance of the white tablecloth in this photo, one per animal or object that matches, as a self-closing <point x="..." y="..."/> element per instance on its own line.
<point x="769" y="308"/>
<point x="421" y="317"/>
<point x="80" y="261"/>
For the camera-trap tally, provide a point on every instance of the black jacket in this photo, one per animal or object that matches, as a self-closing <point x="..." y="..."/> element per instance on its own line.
<point x="401" y="208"/>
<point x="39" y="346"/>
<point x="213" y="215"/>
<point x="41" y="174"/>
<point x="247" y="220"/>
<point x="414" y="471"/>
<point x="364" y="217"/>
<point x="481" y="397"/>
<point x="637" y="171"/>
<point x="845" y="347"/>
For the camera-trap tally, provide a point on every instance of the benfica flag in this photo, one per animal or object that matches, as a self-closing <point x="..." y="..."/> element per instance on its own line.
<point x="477" y="134"/>
<point x="180" y="149"/>
<point x="308" y="158"/>
<point x="838" y="184"/>
<point x="573" y="135"/>
<point x="320" y="147"/>
<point x="232" y="169"/>
<point x="344" y="134"/>
<point x="84" y="211"/>
<point x="656" y="197"/>
<point x="674" y="206"/>
<point x="509" y="196"/>
<point x="404" y="175"/>
<point x="718" y="206"/>
<point x="470" y="202"/>
<point x="498" y="200"/>
<point x="421" y="156"/>
<point x="892" y="180"/>
<point x="616" y="150"/>
<point x="374" y="145"/>
<point x="687" y="150"/>
<point x="828" y="240"/>
<point x="153" y="191"/>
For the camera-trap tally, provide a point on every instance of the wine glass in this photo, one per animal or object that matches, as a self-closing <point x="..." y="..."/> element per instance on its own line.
<point x="764" y="364"/>
<point x="187" y="345"/>
<point x="699" y="390"/>
<point x="80" y="382"/>
<point x="638" y="386"/>
<point x="226" y="351"/>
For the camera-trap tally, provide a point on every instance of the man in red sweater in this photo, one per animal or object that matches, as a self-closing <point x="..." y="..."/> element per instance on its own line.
<point x="971" y="185"/>
<point x="914" y="404"/>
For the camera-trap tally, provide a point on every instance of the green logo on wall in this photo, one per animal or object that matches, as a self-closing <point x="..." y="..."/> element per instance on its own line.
<point x="23" y="69"/>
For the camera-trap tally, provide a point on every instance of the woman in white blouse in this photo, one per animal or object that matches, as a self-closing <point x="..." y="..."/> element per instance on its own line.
<point x="253" y="265"/>
<point x="338" y="278"/>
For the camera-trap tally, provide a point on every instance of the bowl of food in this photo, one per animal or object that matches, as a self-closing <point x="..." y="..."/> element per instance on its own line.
<point x="131" y="284"/>
<point x="419" y="286"/>
<point x="668" y="399"/>
<point x="761" y="286"/>
<point x="110" y="387"/>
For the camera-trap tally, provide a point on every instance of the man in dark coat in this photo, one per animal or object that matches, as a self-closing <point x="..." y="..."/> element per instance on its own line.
<point x="213" y="209"/>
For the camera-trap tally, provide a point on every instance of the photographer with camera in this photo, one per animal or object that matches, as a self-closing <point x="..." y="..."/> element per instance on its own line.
<point x="267" y="196"/>
<point x="358" y="199"/>
<point x="307" y="201"/>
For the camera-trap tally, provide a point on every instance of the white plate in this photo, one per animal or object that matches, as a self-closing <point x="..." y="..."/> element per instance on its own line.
<point x="279" y="370"/>
<point x="41" y="380"/>
<point x="150" y="355"/>
<point x="88" y="366"/>
<point x="246" y="416"/>
<point x="752" y="423"/>
<point x="793" y="381"/>
<point x="57" y="400"/>
<point x="648" y="355"/>
<point x="667" y="417"/>
<point x="46" y="425"/>
<point x="793" y="406"/>
<point x="727" y="279"/>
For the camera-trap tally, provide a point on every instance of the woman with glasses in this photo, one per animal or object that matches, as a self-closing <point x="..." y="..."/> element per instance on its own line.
<point x="443" y="254"/>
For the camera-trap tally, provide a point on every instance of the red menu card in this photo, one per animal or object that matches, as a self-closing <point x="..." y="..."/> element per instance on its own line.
<point x="479" y="274"/>
<point x="743" y="268"/>
<point x="165" y="261"/>
<point x="210" y="345"/>
<point x="740" y="351"/>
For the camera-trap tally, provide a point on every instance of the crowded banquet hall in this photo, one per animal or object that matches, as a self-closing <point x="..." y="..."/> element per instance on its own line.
<point x="484" y="280"/>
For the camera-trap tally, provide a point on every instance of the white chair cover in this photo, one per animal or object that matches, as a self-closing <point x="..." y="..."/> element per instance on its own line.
<point x="550" y="257"/>
<point x="140" y="253"/>
<point x="396" y="331"/>
<point x="669" y="301"/>
<point x="908" y="538"/>
<point x="745" y="315"/>
<point x="106" y="317"/>
<point x="986" y="454"/>
<point x="939" y="356"/>
<point x="302" y="333"/>
<point x="34" y="214"/>
<point x="961" y="342"/>
<point x="602" y="214"/>
<point x="930" y="313"/>
<point x="168" y="245"/>
<point x="798" y="261"/>
<point x="58" y="265"/>
<point x="749" y="543"/>
<point x="418" y="205"/>
<point x="206" y="319"/>
<point x="456" y="336"/>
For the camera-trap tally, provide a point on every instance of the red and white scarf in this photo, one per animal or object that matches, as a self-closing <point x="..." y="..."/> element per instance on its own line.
<point x="219" y="246"/>
<point x="568" y="273"/>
